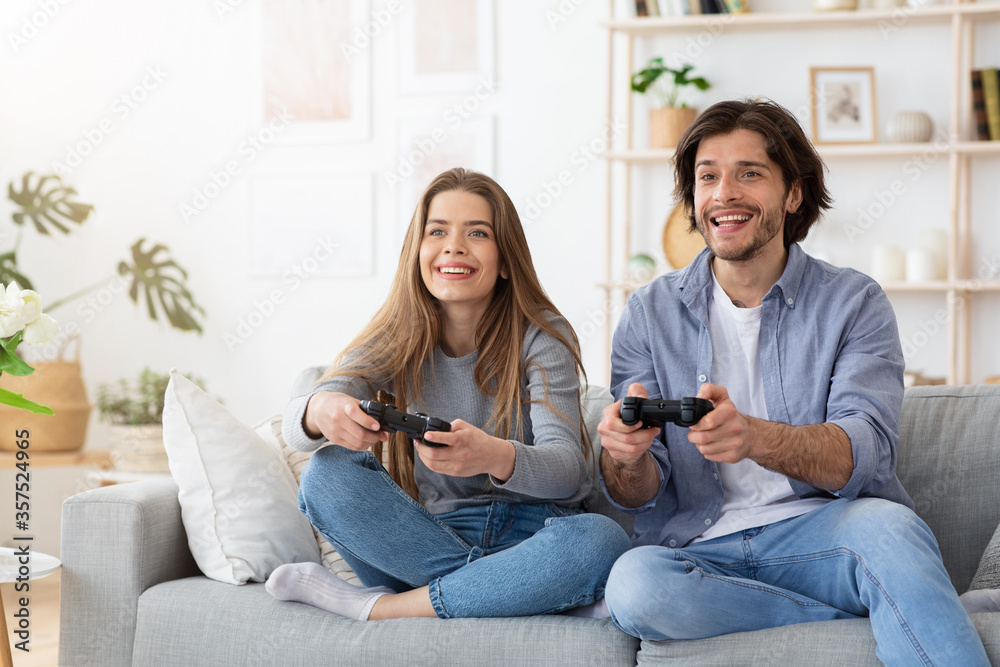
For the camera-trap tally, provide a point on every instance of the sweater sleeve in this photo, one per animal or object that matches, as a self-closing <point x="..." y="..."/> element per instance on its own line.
<point x="552" y="465"/>
<point x="292" y="430"/>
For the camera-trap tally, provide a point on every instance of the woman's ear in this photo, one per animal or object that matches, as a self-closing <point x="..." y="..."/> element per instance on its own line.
<point x="503" y="272"/>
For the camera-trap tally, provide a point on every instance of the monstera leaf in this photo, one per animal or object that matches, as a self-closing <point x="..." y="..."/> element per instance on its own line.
<point x="9" y="272"/>
<point x="162" y="282"/>
<point x="47" y="203"/>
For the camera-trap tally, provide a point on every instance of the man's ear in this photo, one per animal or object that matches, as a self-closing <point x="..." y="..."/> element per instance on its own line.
<point x="794" y="197"/>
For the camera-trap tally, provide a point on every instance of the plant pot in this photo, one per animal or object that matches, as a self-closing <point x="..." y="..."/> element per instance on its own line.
<point x="57" y="385"/>
<point x="139" y="449"/>
<point x="666" y="125"/>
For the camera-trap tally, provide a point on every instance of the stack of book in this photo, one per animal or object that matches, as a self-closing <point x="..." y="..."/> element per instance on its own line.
<point x="986" y="103"/>
<point x="685" y="7"/>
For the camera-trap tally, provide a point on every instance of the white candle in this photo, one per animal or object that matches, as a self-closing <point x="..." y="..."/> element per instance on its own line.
<point x="921" y="265"/>
<point x="936" y="241"/>
<point x="888" y="264"/>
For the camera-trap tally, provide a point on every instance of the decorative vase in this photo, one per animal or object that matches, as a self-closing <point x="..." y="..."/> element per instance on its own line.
<point x="666" y="125"/>
<point x="139" y="449"/>
<point x="834" y="5"/>
<point x="640" y="268"/>
<point x="57" y="385"/>
<point x="909" y="126"/>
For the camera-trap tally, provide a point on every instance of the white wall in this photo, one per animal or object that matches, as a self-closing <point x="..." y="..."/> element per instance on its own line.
<point x="549" y="105"/>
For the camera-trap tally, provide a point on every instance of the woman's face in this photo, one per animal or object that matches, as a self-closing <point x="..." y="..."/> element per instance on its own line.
<point x="459" y="257"/>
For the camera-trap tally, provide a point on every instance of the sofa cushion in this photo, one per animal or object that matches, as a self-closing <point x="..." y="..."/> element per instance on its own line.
<point x="238" y="499"/>
<point x="195" y="621"/>
<point x="984" y="592"/>
<point x="595" y="399"/>
<point x="270" y="430"/>
<point x="949" y="462"/>
<point x="847" y="642"/>
<point x="988" y="573"/>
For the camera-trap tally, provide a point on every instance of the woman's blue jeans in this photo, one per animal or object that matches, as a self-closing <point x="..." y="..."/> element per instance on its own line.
<point x="847" y="559"/>
<point x="499" y="559"/>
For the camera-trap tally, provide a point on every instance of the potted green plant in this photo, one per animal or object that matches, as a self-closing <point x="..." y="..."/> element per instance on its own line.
<point x="671" y="115"/>
<point x="48" y="206"/>
<point x="134" y="408"/>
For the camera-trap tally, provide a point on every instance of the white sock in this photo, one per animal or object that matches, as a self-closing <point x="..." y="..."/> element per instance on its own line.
<point x="313" y="584"/>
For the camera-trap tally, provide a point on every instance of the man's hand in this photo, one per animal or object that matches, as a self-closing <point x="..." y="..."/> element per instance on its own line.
<point x="630" y="472"/>
<point x="340" y="419"/>
<point x="723" y="435"/>
<point x="625" y="444"/>
<point x="818" y="454"/>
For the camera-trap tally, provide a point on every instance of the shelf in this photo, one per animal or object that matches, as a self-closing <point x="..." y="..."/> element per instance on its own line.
<point x="954" y="22"/>
<point x="879" y="150"/>
<point x="977" y="286"/>
<point x="938" y="286"/>
<point x="895" y="18"/>
<point x="97" y="457"/>
<point x="654" y="155"/>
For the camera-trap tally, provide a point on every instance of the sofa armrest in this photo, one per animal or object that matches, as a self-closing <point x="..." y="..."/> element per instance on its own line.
<point x="117" y="541"/>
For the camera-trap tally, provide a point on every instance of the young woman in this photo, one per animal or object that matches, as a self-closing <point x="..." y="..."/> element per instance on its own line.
<point x="488" y="523"/>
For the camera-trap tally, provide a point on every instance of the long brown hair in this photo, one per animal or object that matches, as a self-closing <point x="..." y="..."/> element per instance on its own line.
<point x="402" y="335"/>
<point x="786" y="145"/>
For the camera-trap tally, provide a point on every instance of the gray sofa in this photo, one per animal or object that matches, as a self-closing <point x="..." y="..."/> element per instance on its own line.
<point x="132" y="594"/>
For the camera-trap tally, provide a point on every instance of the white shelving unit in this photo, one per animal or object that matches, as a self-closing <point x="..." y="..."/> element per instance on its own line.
<point x="960" y="284"/>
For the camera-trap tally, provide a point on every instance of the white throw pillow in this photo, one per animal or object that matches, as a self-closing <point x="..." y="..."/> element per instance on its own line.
<point x="238" y="498"/>
<point x="270" y="430"/>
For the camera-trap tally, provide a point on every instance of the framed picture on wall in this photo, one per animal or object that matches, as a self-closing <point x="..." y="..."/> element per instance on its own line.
<point x="843" y="105"/>
<point x="316" y="79"/>
<point x="429" y="146"/>
<point x="445" y="46"/>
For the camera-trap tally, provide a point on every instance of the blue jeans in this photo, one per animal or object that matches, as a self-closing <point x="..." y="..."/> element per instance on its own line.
<point x="499" y="559"/>
<point x="847" y="559"/>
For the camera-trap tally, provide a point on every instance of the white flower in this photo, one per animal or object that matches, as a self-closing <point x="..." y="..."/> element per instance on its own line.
<point x="41" y="330"/>
<point x="18" y="309"/>
<point x="11" y="320"/>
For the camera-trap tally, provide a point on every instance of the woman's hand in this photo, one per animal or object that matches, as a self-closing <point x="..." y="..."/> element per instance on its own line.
<point x="468" y="451"/>
<point x="340" y="419"/>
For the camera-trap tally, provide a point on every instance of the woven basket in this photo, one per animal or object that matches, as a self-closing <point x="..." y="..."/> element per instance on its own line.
<point x="139" y="449"/>
<point x="57" y="385"/>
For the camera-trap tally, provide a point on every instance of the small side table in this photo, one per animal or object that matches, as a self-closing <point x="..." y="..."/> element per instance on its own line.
<point x="11" y="560"/>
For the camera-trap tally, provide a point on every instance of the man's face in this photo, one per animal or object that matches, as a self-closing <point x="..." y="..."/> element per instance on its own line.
<point x="740" y="198"/>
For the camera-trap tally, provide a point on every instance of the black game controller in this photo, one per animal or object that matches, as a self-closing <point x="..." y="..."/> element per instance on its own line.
<point x="656" y="411"/>
<point x="412" y="426"/>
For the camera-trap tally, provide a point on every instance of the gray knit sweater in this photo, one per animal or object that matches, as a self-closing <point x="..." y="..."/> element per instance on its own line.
<point x="549" y="464"/>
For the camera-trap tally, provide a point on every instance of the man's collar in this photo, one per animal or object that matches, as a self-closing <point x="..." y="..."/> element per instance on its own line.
<point x="698" y="276"/>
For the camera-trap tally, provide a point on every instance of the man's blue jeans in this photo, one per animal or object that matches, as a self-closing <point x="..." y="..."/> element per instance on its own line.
<point x="847" y="559"/>
<point x="499" y="559"/>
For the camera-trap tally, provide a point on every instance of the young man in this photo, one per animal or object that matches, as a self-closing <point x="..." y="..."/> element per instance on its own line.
<point x="781" y="505"/>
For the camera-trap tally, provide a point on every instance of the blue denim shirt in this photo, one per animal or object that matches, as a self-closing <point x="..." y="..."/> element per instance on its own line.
<point x="830" y="352"/>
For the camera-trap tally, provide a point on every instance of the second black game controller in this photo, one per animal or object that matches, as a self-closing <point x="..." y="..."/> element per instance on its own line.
<point x="413" y="427"/>
<point x="657" y="412"/>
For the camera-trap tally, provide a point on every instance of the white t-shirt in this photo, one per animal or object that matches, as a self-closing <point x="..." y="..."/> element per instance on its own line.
<point x="754" y="495"/>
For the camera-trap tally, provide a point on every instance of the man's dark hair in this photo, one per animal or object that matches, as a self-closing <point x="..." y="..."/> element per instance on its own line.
<point x="786" y="145"/>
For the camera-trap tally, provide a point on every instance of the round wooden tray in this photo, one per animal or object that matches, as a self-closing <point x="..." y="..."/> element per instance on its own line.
<point x="680" y="244"/>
